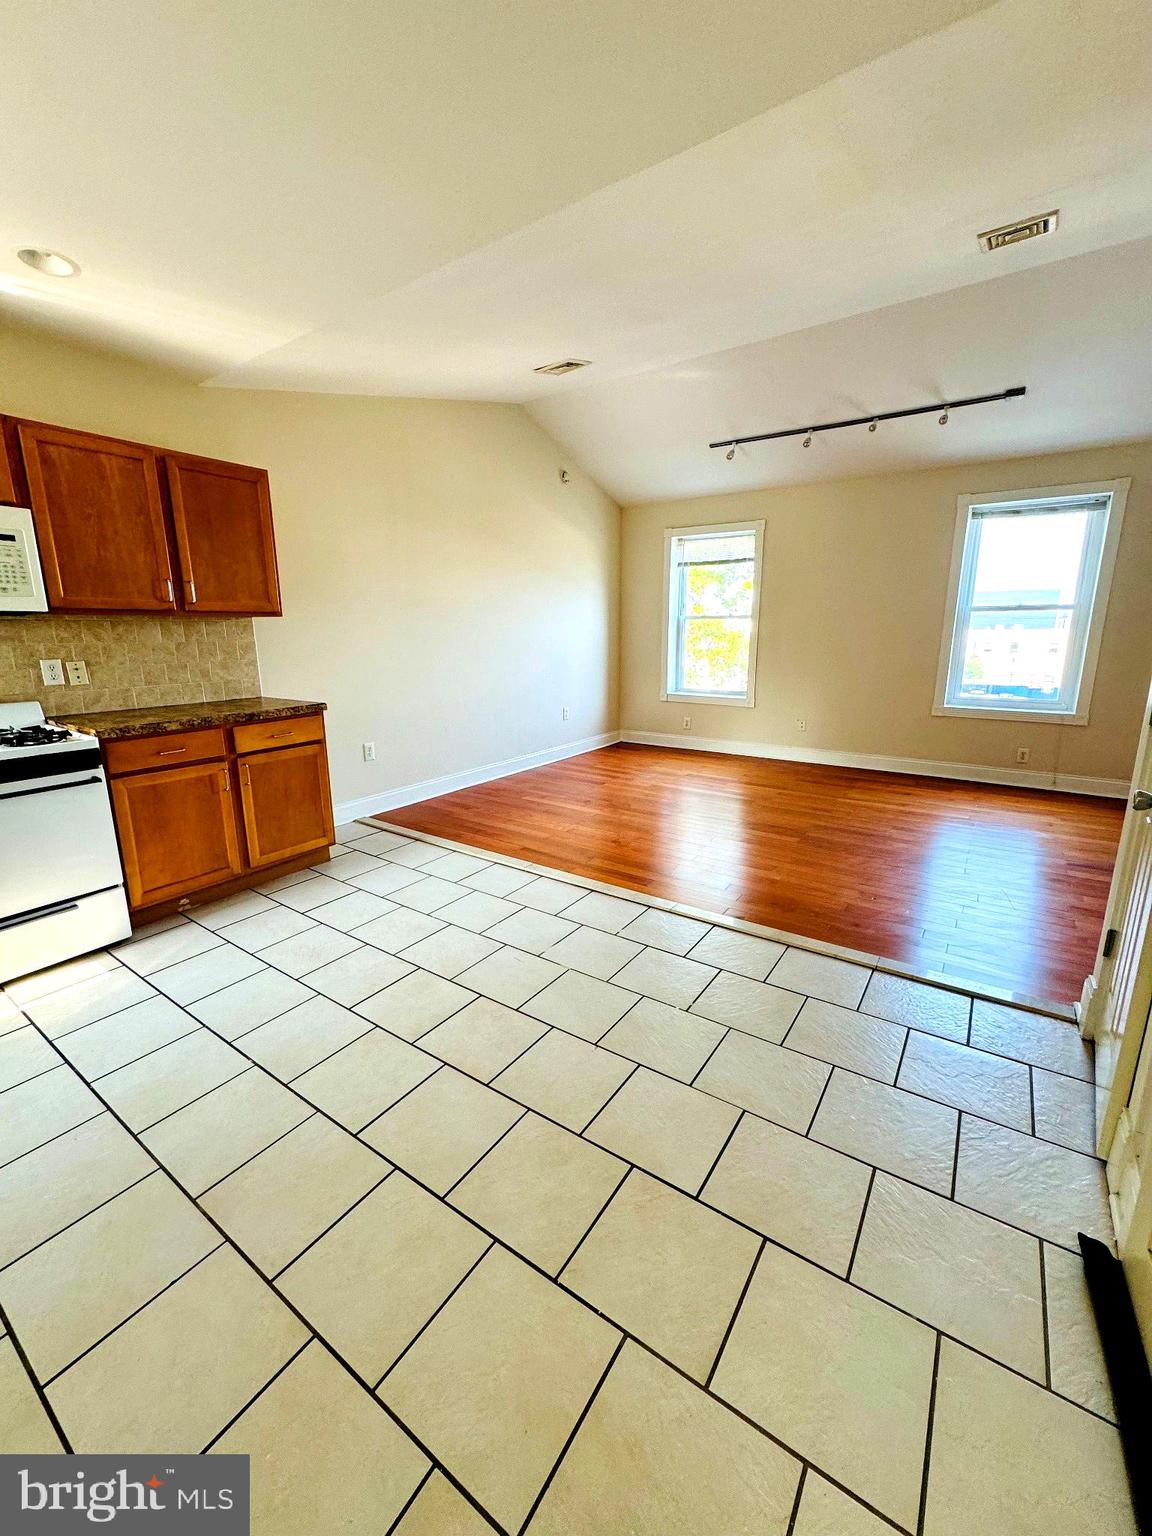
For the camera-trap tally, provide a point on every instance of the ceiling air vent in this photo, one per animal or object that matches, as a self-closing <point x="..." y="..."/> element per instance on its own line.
<point x="1023" y="229"/>
<point x="569" y="365"/>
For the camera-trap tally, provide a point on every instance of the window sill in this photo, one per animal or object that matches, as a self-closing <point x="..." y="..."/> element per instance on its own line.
<point x="747" y="702"/>
<point x="1045" y="716"/>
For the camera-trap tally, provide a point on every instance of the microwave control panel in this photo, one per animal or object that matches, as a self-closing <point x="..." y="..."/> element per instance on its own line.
<point x="21" y="581"/>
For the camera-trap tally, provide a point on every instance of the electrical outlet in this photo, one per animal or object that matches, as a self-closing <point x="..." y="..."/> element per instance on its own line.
<point x="52" y="672"/>
<point x="77" y="671"/>
<point x="687" y="722"/>
<point x="369" y="751"/>
<point x="801" y="725"/>
<point x="565" y="713"/>
<point x="1023" y="754"/>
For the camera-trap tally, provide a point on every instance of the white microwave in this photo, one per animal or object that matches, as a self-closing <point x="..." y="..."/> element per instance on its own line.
<point x="21" y="580"/>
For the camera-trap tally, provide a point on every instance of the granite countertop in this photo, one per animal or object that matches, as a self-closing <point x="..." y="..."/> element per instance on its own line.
<point x="118" y="724"/>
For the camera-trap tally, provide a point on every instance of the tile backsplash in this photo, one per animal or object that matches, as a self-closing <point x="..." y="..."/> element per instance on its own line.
<point x="132" y="662"/>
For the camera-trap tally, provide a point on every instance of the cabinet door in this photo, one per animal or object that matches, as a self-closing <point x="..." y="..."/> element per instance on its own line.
<point x="222" y="514"/>
<point x="177" y="830"/>
<point x="9" y="477"/>
<point x="287" y="805"/>
<point x="99" y="520"/>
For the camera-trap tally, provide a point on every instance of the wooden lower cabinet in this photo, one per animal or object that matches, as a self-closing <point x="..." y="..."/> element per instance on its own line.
<point x="177" y="830"/>
<point x="286" y="803"/>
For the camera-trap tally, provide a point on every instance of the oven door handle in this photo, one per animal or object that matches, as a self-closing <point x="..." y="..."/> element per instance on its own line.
<point x="47" y="789"/>
<point x="34" y="917"/>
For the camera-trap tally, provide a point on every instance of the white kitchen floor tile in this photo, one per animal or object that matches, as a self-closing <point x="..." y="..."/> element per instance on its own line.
<point x="483" y="1038"/>
<point x="357" y="975"/>
<point x="499" y="879"/>
<point x="303" y="1036"/>
<point x="244" y="1005"/>
<point x="1032" y="1184"/>
<point x="583" y="1005"/>
<point x="531" y="930"/>
<point x="233" y="909"/>
<point x="264" y="928"/>
<point x="307" y="895"/>
<point x="413" y="855"/>
<point x="800" y="1194"/>
<point x="667" y="930"/>
<point x="666" y="1269"/>
<point x="742" y="953"/>
<point x="378" y="843"/>
<point x="477" y="910"/>
<point x="510" y="976"/>
<point x="428" y="894"/>
<point x="668" y="978"/>
<point x="751" y="1006"/>
<point x="449" y="951"/>
<point x="1031" y="1037"/>
<point x="166" y="948"/>
<point x="955" y="1269"/>
<point x="456" y="866"/>
<point x="838" y="1376"/>
<point x="346" y="862"/>
<point x="123" y="1037"/>
<point x="166" y="1080"/>
<point x="365" y="1078"/>
<point x="918" y="1005"/>
<point x="539" y="1190"/>
<point x="907" y="1135"/>
<point x="607" y="912"/>
<point x="386" y="880"/>
<point x="307" y="951"/>
<point x="665" y="1039"/>
<point x="848" y="1039"/>
<point x="101" y="994"/>
<point x="25" y="1053"/>
<point x="24" y="1426"/>
<point x="834" y="981"/>
<point x="190" y="980"/>
<point x="351" y="912"/>
<point x="973" y="1080"/>
<point x="411" y="1006"/>
<point x="564" y="1078"/>
<point x="397" y="929"/>
<point x="778" y="1084"/>
<point x="548" y="895"/>
<point x="1009" y="1457"/>
<point x="671" y="1130"/>
<point x="827" y="1511"/>
<point x="1079" y="1370"/>
<point x="595" y="953"/>
<point x="1065" y="1110"/>
<point x="441" y="1128"/>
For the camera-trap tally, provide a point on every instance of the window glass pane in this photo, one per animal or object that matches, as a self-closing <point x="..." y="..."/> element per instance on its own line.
<point x="720" y="546"/>
<point x="1015" y="656"/>
<point x="719" y="589"/>
<point x="1033" y="558"/>
<point x="714" y="655"/>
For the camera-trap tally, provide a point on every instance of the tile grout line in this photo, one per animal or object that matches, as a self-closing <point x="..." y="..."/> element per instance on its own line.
<point x="410" y="1501"/>
<point x="256" y="1396"/>
<point x="736" y="1310"/>
<point x="797" y="1499"/>
<point x="33" y="1381"/>
<point x="360" y="1199"/>
<point x="923" y="1509"/>
<point x="68" y="1225"/>
<point x="436" y="1311"/>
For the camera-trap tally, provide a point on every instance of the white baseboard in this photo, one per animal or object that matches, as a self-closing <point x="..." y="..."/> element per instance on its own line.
<point x="428" y="789"/>
<point x="1021" y="778"/>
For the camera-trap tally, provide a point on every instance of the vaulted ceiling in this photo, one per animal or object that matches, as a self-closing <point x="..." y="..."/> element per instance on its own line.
<point x="745" y="216"/>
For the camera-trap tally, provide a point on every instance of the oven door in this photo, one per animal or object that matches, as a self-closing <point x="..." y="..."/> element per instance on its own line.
<point x="57" y="840"/>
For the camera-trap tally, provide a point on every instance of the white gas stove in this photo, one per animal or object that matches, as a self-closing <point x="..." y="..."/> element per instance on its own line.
<point x="61" y="883"/>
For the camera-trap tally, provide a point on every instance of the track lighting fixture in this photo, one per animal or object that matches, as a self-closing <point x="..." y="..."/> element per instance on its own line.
<point x="871" y="422"/>
<point x="730" y="455"/>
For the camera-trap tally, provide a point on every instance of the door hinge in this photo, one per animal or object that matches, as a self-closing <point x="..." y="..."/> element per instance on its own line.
<point x="1110" y="942"/>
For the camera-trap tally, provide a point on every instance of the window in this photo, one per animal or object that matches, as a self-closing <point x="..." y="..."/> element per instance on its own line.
<point x="1030" y="579"/>
<point x="712" y="579"/>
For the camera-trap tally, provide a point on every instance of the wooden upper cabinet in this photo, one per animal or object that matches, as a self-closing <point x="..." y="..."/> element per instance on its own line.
<point x="99" y="517"/>
<point x="222" y="516"/>
<point x="10" y="477"/>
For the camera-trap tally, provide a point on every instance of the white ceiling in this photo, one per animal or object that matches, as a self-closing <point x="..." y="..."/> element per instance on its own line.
<point x="745" y="221"/>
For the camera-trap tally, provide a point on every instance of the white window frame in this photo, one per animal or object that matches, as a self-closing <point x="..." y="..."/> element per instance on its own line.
<point x="747" y="699"/>
<point x="1091" y="600"/>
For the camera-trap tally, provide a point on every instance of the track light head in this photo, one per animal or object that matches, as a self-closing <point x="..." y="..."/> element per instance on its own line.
<point x="808" y="439"/>
<point x="731" y="454"/>
<point x="872" y="425"/>
<point x="944" y="419"/>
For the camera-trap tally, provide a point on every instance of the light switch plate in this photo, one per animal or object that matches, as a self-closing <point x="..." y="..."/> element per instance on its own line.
<point x="77" y="671"/>
<point x="52" y="672"/>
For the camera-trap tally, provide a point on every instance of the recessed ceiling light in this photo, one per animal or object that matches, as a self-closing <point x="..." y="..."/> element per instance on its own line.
<point x="569" y="365"/>
<point x="51" y="263"/>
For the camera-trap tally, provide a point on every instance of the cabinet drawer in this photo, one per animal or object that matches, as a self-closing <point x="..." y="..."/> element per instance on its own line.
<point x="170" y="751"/>
<point x="278" y="733"/>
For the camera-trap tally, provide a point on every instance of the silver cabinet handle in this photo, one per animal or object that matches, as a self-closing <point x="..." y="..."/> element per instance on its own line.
<point x="172" y="752"/>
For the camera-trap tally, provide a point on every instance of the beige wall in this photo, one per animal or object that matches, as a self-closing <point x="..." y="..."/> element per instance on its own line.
<point x="852" y="607"/>
<point x="444" y="593"/>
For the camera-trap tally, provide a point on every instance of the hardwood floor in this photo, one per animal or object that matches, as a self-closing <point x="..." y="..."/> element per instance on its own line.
<point x="981" y="882"/>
